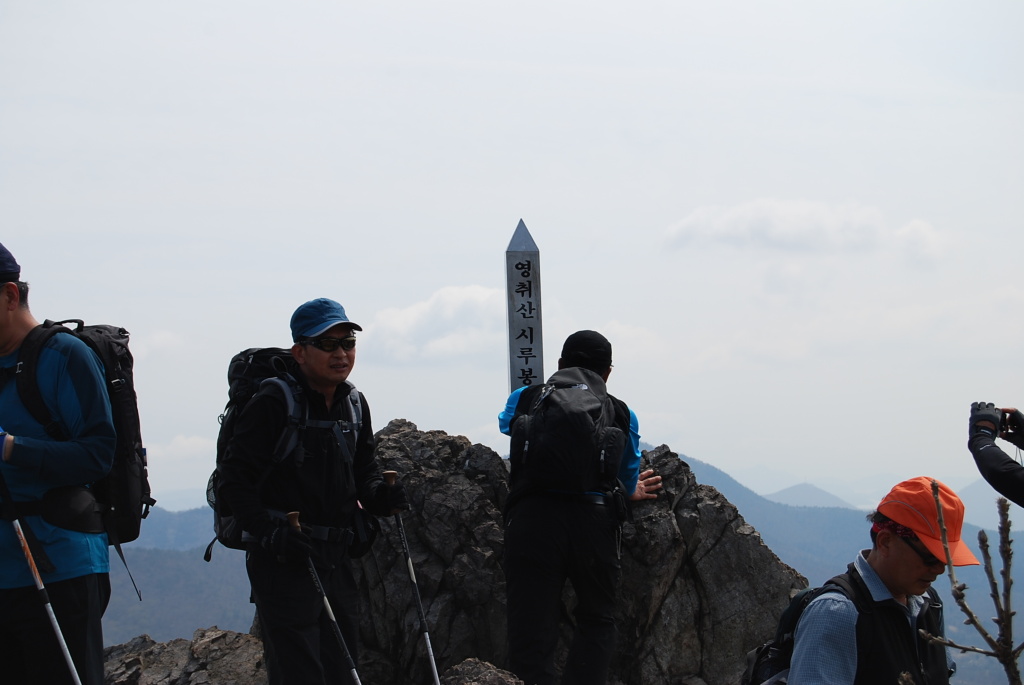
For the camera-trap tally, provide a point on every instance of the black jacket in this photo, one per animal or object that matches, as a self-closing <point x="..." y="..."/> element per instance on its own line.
<point x="1004" y="474"/>
<point x="323" y="488"/>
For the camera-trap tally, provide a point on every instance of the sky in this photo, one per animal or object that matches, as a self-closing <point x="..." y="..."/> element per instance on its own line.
<point x="797" y="222"/>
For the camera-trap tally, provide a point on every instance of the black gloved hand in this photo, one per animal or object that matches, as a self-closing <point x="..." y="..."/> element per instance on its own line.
<point x="394" y="497"/>
<point x="388" y="499"/>
<point x="287" y="543"/>
<point x="1015" y="428"/>
<point x="982" y="412"/>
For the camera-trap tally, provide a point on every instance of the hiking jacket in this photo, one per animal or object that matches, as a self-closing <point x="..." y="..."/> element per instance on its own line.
<point x="73" y="387"/>
<point x="519" y="403"/>
<point x="323" y="488"/>
<point x="1004" y="474"/>
<point x="836" y="645"/>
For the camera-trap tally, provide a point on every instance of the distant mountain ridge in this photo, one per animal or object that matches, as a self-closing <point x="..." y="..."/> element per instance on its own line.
<point x="178" y="530"/>
<point x="807" y="495"/>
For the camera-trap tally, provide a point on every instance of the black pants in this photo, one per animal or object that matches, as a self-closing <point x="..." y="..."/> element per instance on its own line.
<point x="299" y="643"/>
<point x="549" y="540"/>
<point x="29" y="650"/>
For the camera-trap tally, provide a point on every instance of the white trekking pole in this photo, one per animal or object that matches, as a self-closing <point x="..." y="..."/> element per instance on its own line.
<point x="293" y="520"/>
<point x="389" y="478"/>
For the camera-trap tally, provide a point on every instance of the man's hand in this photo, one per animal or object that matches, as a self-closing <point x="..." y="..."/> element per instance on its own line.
<point x="647" y="486"/>
<point x="287" y="543"/>
<point x="985" y="418"/>
<point x="393" y="496"/>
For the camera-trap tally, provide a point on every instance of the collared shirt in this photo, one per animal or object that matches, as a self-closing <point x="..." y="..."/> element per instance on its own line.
<point x="825" y="641"/>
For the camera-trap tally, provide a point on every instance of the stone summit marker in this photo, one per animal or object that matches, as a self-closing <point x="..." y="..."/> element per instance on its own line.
<point x="522" y="290"/>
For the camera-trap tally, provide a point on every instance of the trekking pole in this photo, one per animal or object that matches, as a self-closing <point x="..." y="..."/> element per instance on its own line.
<point x="389" y="478"/>
<point x="9" y="503"/>
<point x="293" y="520"/>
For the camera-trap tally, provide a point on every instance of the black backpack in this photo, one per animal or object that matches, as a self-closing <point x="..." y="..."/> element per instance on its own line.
<point x="123" y="495"/>
<point x="567" y="439"/>
<point x="769" y="663"/>
<point x="270" y="369"/>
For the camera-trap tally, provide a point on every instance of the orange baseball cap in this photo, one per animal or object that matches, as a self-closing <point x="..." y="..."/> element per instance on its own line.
<point x="912" y="504"/>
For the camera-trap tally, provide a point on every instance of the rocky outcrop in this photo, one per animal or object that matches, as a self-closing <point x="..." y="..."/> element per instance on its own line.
<point x="213" y="657"/>
<point x="699" y="586"/>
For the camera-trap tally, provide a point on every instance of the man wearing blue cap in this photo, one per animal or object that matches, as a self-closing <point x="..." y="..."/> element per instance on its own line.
<point x="34" y="465"/>
<point x="334" y="471"/>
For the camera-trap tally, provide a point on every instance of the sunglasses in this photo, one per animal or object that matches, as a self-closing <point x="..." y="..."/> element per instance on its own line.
<point x="927" y="557"/>
<point x="331" y="344"/>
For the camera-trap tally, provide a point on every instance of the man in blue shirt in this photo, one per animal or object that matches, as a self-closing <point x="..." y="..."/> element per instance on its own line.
<point x="557" y="533"/>
<point x="834" y="644"/>
<point x="72" y="384"/>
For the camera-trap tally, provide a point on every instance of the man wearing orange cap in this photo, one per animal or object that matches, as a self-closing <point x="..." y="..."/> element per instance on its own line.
<point x="837" y="644"/>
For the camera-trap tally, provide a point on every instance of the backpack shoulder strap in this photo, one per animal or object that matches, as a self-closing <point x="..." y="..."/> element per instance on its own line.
<point x="356" y="409"/>
<point x="935" y="603"/>
<point x="621" y="413"/>
<point x="791" y="616"/>
<point x="27" y="381"/>
<point x="340" y="427"/>
<point x="296" y="410"/>
<point x="854" y="587"/>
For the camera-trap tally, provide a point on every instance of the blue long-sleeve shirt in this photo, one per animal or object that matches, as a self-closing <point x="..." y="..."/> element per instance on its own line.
<point x="629" y="466"/>
<point x="73" y="387"/>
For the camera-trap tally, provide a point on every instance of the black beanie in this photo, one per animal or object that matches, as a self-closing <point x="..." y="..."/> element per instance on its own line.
<point x="588" y="349"/>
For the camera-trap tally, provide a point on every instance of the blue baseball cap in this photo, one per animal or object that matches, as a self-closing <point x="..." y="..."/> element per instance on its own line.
<point x="316" y="316"/>
<point x="9" y="268"/>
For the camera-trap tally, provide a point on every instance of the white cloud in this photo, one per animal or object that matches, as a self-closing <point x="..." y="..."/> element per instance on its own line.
<point x="157" y="341"/>
<point x="804" y="226"/>
<point x="453" y="323"/>
<point x="918" y="240"/>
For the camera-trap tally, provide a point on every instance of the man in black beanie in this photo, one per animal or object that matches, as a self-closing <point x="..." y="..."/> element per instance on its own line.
<point x="575" y="458"/>
<point x="34" y="465"/>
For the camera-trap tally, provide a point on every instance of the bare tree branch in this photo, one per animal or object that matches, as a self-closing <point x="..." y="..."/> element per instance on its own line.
<point x="957" y="587"/>
<point x="1001" y="646"/>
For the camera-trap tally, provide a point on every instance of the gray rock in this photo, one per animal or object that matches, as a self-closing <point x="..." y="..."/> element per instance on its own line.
<point x="213" y="657"/>
<point x="476" y="672"/>
<point x="699" y="588"/>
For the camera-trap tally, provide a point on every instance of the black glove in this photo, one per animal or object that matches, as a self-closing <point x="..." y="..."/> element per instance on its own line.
<point x="1014" y="432"/>
<point x="390" y="498"/>
<point x="981" y="412"/>
<point x="285" y="542"/>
